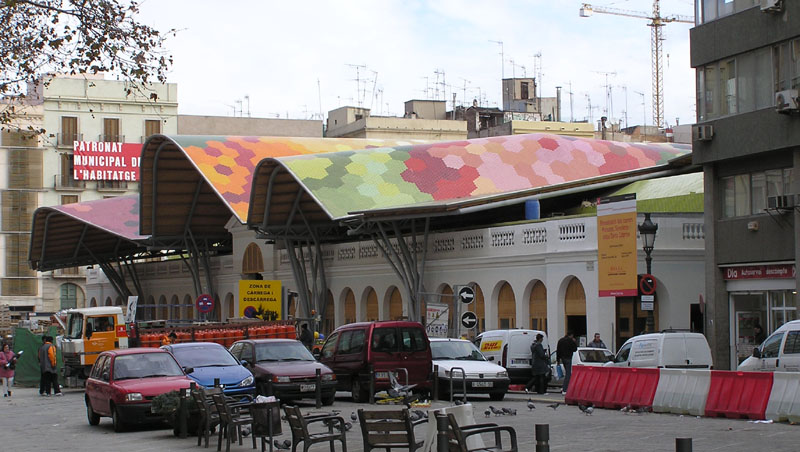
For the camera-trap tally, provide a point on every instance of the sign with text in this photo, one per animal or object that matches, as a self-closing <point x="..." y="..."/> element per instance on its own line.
<point x="97" y="160"/>
<point x="770" y="271"/>
<point x="436" y="317"/>
<point x="616" y="246"/>
<point x="260" y="299"/>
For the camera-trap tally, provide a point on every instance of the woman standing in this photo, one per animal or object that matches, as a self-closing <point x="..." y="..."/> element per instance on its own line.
<point x="7" y="363"/>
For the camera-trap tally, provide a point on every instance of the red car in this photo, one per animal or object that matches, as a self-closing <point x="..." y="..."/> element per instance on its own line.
<point x="122" y="384"/>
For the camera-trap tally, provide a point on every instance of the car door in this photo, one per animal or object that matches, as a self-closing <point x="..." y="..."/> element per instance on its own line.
<point x="93" y="384"/>
<point x="349" y="355"/>
<point x="105" y="388"/>
<point x="414" y="355"/>
<point x="327" y="356"/>
<point x="770" y="352"/>
<point x="790" y="358"/>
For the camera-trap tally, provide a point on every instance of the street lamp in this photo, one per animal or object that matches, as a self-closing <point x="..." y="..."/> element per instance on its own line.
<point x="647" y="230"/>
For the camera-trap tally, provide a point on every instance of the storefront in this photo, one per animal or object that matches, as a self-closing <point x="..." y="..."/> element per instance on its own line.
<point x="764" y="295"/>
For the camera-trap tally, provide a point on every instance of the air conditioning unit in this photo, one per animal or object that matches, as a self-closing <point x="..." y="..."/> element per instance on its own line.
<point x="771" y="6"/>
<point x="703" y="132"/>
<point x="787" y="101"/>
<point x="780" y="202"/>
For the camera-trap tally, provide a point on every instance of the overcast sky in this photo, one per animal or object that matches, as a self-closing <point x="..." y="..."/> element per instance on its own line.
<point x="300" y="58"/>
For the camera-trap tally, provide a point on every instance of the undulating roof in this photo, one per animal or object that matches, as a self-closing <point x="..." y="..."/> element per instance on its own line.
<point x="682" y="193"/>
<point x="200" y="181"/>
<point x="442" y="176"/>
<point x="78" y="234"/>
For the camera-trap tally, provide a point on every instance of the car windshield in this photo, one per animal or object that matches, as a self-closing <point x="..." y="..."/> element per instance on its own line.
<point x="145" y="365"/>
<point x="595" y="356"/>
<point x="74" y="326"/>
<point x="204" y="356"/>
<point x="282" y="351"/>
<point x="456" y="350"/>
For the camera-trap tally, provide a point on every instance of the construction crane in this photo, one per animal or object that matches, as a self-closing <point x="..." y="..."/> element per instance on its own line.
<point x="657" y="21"/>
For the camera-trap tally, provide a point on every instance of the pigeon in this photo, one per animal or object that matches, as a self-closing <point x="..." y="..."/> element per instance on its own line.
<point x="505" y="410"/>
<point x="512" y="412"/>
<point x="487" y="413"/>
<point x="420" y="414"/>
<point x="554" y="406"/>
<point x="642" y="410"/>
<point x="285" y="445"/>
<point x="531" y="406"/>
<point x="626" y="408"/>
<point x="587" y="409"/>
<point x="347" y="426"/>
<point x="459" y="402"/>
<point x="496" y="411"/>
<point x="353" y="416"/>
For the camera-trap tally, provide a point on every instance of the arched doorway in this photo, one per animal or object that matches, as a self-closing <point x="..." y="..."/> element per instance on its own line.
<point x="174" y="309"/>
<point x="538" y="307"/>
<point x="329" y="319"/>
<point x="372" y="305"/>
<point x="395" y="304"/>
<point x="108" y="301"/>
<point x="447" y="298"/>
<point x="93" y="302"/>
<point x="187" y="308"/>
<point x="349" y="307"/>
<point x="480" y="308"/>
<point x="162" y="313"/>
<point x="506" y="307"/>
<point x="252" y="261"/>
<point x="230" y="305"/>
<point x="575" y="308"/>
<point x="293" y="305"/>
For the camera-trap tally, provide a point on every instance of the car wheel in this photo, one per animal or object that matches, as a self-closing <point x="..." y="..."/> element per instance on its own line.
<point x="116" y="420"/>
<point x="359" y="391"/>
<point x="327" y="400"/>
<point x="497" y="396"/>
<point x="93" y="417"/>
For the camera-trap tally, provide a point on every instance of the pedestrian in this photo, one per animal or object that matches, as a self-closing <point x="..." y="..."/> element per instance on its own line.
<point x="170" y="338"/>
<point x="564" y="350"/>
<point x="8" y="362"/>
<point x="758" y="334"/>
<point x="47" y="364"/>
<point x="597" y="342"/>
<point x="306" y="336"/>
<point x="539" y="367"/>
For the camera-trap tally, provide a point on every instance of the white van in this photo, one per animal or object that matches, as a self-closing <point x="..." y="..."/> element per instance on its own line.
<point x="676" y="350"/>
<point x="512" y="350"/>
<point x="779" y="352"/>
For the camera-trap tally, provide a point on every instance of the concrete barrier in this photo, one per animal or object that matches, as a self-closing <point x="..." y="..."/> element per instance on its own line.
<point x="784" y="399"/>
<point x="736" y="394"/>
<point x="682" y="391"/>
<point x="587" y="385"/>
<point x="633" y="387"/>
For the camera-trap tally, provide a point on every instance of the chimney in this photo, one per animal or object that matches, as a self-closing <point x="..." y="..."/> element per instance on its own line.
<point x="558" y="103"/>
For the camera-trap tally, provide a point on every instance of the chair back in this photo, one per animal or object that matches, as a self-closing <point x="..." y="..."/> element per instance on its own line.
<point x="221" y="404"/>
<point x="380" y="428"/>
<point x="297" y="424"/>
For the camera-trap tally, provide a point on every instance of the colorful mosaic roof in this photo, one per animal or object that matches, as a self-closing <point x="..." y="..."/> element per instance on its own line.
<point x="381" y="178"/>
<point x="119" y="215"/>
<point x="228" y="162"/>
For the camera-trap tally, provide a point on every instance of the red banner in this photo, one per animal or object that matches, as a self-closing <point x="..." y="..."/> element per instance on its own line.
<point x="95" y="160"/>
<point x="775" y="271"/>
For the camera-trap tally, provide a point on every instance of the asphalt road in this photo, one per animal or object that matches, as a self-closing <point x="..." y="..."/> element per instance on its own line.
<point x="29" y="422"/>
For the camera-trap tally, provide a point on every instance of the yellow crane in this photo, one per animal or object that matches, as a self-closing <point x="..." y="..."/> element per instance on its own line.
<point x="657" y="21"/>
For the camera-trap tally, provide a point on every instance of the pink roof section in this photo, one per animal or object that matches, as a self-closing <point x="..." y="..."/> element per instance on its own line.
<point x="119" y="215"/>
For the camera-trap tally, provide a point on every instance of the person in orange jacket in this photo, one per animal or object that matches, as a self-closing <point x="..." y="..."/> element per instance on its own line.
<point x="168" y="339"/>
<point x="47" y="363"/>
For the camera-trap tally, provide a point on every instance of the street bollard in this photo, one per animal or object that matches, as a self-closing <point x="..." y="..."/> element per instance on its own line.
<point x="683" y="444"/>
<point x="318" y="391"/>
<point x="542" y="437"/>
<point x="183" y="412"/>
<point x="442" y="427"/>
<point x="371" y="384"/>
<point x="435" y="382"/>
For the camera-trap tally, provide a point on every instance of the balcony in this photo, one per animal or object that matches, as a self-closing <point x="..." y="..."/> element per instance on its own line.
<point x="111" y="138"/>
<point x="65" y="182"/>
<point x="67" y="140"/>
<point x="112" y="185"/>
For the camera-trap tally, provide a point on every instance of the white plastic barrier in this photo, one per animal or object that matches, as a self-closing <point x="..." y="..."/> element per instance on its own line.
<point x="682" y="391"/>
<point x="784" y="400"/>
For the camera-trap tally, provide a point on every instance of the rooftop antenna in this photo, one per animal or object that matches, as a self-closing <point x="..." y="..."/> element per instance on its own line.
<point x="247" y="99"/>
<point x="358" y="68"/>
<point x="571" y="118"/>
<point x="644" y="116"/>
<point x="590" y="115"/>
<point x="609" y="101"/>
<point x="502" y="66"/>
<point x="464" y="99"/>
<point x="239" y="103"/>
<point x="319" y="99"/>
<point x="374" y="85"/>
<point x="537" y="71"/>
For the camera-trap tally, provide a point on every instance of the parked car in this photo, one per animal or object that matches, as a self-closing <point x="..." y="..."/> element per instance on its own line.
<point x="671" y="349"/>
<point x="584" y="356"/>
<point x="205" y="362"/>
<point x="779" y="352"/>
<point x="122" y="383"/>
<point x="285" y="368"/>
<point x="480" y="375"/>
<point x="352" y="351"/>
<point x="512" y="350"/>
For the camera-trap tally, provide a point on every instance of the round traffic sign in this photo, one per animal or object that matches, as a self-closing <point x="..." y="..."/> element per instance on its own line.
<point x="466" y="294"/>
<point x="469" y="319"/>
<point x="647" y="284"/>
<point x="205" y="303"/>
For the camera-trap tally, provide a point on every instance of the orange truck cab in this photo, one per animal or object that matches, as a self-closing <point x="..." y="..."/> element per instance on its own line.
<point x="89" y="332"/>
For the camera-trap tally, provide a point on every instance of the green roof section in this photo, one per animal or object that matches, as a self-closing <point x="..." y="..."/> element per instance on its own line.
<point x="673" y="194"/>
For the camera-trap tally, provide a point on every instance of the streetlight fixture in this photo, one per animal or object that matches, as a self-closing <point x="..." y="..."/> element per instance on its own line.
<point x="647" y="230"/>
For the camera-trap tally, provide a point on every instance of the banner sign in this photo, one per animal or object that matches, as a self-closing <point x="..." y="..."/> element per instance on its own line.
<point x="436" y="319"/>
<point x="260" y="299"/>
<point x="775" y="271"/>
<point x="95" y="160"/>
<point x="616" y="246"/>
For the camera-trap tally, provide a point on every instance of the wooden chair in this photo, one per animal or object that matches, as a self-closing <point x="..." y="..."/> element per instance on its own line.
<point x="232" y="417"/>
<point x="461" y="433"/>
<point x="209" y="418"/>
<point x="298" y="424"/>
<point x="390" y="429"/>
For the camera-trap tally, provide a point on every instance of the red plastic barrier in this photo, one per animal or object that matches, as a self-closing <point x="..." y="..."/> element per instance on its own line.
<point x="630" y="386"/>
<point x="587" y="385"/>
<point x="738" y="394"/>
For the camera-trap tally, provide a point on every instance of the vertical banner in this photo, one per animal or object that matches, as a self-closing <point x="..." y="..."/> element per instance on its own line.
<point x="437" y="319"/>
<point x="616" y="246"/>
<point x="260" y="299"/>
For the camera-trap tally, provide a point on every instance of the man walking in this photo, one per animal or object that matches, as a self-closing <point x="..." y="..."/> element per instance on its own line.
<point x="306" y="336"/>
<point x="539" y="367"/>
<point x="47" y="363"/>
<point x="597" y="342"/>
<point x="564" y="350"/>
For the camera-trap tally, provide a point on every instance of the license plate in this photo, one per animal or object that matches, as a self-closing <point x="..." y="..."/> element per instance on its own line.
<point x="482" y="384"/>
<point x="384" y="375"/>
<point x="520" y="361"/>
<point x="308" y="388"/>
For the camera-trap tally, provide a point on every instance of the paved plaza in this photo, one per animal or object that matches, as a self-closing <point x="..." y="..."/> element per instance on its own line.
<point x="32" y="423"/>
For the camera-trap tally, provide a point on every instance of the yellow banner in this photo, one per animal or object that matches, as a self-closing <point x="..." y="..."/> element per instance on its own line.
<point x="260" y="299"/>
<point x="616" y="246"/>
<point x="491" y="346"/>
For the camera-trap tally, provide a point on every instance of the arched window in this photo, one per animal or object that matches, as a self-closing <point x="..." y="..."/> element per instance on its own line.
<point x="252" y="262"/>
<point x="69" y="296"/>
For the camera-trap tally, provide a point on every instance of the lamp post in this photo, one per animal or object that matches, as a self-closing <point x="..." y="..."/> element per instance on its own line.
<point x="647" y="230"/>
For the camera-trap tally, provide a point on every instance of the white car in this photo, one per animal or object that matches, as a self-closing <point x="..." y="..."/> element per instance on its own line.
<point x="480" y="375"/>
<point x="584" y="356"/>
